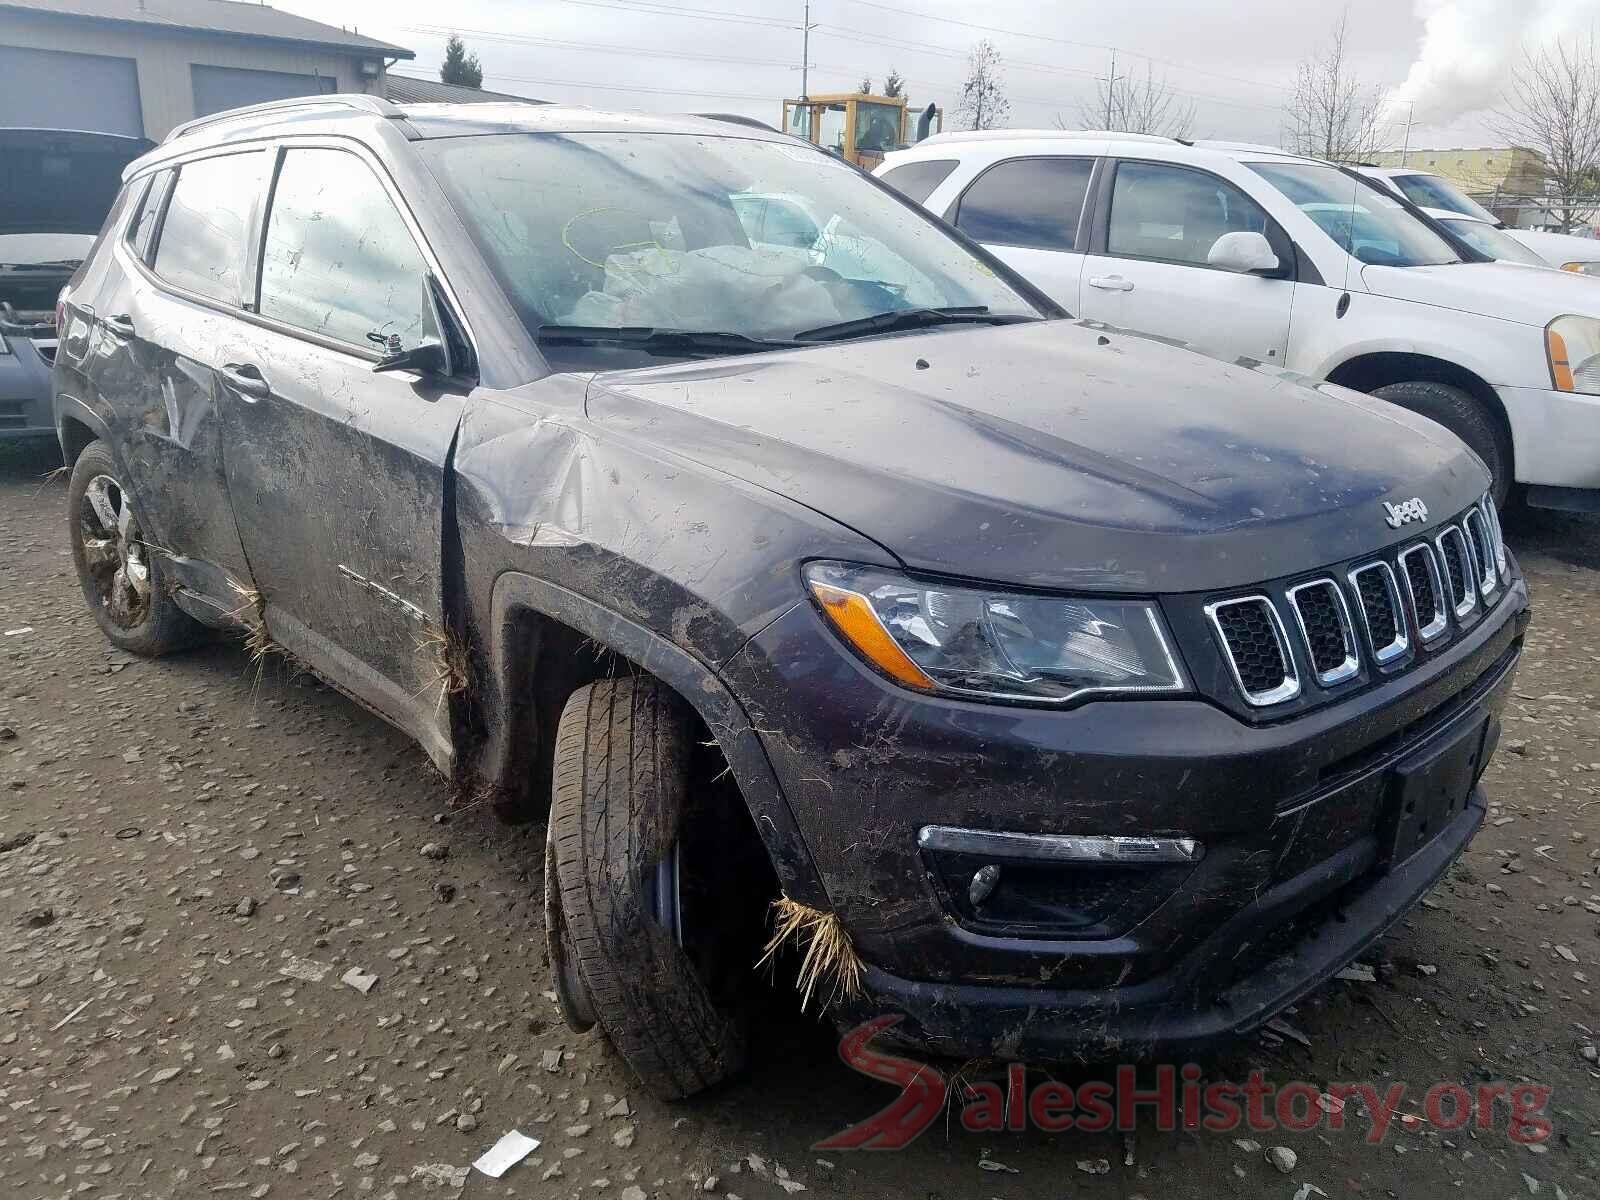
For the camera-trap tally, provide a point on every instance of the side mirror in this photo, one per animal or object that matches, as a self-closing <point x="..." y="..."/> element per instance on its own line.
<point x="427" y="359"/>
<point x="1244" y="253"/>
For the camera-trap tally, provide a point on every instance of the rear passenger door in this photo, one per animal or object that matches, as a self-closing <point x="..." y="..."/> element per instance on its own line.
<point x="336" y="471"/>
<point x="1149" y="270"/>
<point x="162" y="328"/>
<point x="1029" y="213"/>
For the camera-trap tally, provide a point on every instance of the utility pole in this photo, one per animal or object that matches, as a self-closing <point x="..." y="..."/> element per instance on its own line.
<point x="1405" y="149"/>
<point x="1111" y="90"/>
<point x="805" y="54"/>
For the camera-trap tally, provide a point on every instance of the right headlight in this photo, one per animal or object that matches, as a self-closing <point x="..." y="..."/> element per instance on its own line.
<point x="988" y="643"/>
<point x="1572" y="346"/>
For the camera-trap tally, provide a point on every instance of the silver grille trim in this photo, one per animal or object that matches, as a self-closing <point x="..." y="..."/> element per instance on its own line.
<point x="1402" y="637"/>
<point x="1441" y="601"/>
<point x="1492" y="515"/>
<point x="1352" y="661"/>
<point x="1463" y="604"/>
<point x="1290" y="687"/>
<point x="1482" y="546"/>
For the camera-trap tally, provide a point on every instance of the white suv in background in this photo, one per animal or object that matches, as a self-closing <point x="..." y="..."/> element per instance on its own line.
<point x="1434" y="192"/>
<point x="1247" y="252"/>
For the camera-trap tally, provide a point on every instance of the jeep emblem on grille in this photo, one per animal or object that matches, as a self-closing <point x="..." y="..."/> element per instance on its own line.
<point x="1405" y="512"/>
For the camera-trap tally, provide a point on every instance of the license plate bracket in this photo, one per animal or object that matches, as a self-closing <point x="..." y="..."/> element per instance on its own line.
<point x="1429" y="790"/>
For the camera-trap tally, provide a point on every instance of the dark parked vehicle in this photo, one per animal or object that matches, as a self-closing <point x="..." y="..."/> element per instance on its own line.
<point x="56" y="187"/>
<point x="1085" y="694"/>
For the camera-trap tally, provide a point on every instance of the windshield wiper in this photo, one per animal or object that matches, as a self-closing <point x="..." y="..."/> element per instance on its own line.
<point x="909" y="318"/>
<point x="687" y="342"/>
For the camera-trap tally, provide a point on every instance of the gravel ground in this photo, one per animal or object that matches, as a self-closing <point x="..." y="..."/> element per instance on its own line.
<point x="194" y="855"/>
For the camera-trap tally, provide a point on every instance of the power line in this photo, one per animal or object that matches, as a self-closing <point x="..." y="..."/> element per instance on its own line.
<point x="699" y="14"/>
<point x="526" y="40"/>
<point x="574" y="83"/>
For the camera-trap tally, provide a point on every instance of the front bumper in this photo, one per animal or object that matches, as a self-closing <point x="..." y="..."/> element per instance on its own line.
<point x="25" y="389"/>
<point x="1555" y="436"/>
<point x="1287" y="812"/>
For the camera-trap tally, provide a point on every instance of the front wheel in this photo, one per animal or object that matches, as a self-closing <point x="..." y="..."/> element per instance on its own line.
<point x="123" y="578"/>
<point x="1463" y="415"/>
<point x="633" y="947"/>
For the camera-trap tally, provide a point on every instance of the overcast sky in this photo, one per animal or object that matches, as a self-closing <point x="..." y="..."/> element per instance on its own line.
<point x="1236" y="62"/>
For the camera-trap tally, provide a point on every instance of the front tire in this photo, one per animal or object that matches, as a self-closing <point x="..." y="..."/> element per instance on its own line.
<point x="124" y="579"/>
<point x="1463" y="415"/>
<point x="620" y="804"/>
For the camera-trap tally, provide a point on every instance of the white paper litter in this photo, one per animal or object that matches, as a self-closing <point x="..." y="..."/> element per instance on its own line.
<point x="19" y="631"/>
<point x="511" y="1149"/>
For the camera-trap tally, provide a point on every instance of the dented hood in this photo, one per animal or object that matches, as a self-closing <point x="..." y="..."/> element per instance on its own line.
<point x="1057" y="454"/>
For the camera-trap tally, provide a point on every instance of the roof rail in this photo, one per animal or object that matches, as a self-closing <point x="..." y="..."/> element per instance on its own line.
<point x="376" y="105"/>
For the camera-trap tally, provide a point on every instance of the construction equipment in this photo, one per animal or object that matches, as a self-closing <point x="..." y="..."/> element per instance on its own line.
<point x="858" y="127"/>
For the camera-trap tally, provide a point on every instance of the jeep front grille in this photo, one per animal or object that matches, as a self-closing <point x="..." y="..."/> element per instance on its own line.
<point x="1424" y="591"/>
<point x="1458" y="570"/>
<point x="1379" y="601"/>
<point x="1257" y="649"/>
<point x="1486" y="576"/>
<point x="1324" y="622"/>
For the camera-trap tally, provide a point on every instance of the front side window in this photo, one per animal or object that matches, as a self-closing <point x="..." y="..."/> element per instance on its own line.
<point x="700" y="233"/>
<point x="1430" y="191"/>
<point x="1030" y="202"/>
<point x="202" y="243"/>
<point x="1174" y="214"/>
<point x="1363" y="221"/>
<point x="337" y="258"/>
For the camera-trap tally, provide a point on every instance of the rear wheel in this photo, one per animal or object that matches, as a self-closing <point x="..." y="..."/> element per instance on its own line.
<point x="123" y="579"/>
<point x="1463" y="415"/>
<point x="634" y="948"/>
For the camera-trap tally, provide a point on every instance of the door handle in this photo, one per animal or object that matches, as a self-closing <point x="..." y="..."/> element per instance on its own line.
<point x="121" y="325"/>
<point x="246" y="379"/>
<point x="1111" y="283"/>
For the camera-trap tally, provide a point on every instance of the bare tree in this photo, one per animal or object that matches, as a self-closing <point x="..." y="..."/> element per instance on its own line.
<point x="1553" y="106"/>
<point x="1129" y="104"/>
<point x="1333" y="114"/>
<point x="983" y="103"/>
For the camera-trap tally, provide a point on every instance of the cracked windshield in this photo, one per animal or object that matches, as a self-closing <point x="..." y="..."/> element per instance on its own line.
<point x="670" y="232"/>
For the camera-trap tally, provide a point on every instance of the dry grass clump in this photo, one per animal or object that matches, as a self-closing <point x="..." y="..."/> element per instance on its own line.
<point x="446" y="659"/>
<point x="830" y="956"/>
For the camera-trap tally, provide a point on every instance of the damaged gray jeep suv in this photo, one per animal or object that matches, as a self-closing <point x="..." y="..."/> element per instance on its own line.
<point x="1069" y="693"/>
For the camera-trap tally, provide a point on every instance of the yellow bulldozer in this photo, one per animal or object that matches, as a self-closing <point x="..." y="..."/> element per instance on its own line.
<point x="858" y="127"/>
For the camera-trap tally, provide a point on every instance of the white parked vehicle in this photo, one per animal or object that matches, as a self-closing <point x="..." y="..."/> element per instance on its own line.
<point x="1245" y="251"/>
<point x="1430" y="191"/>
<point x="1487" y="238"/>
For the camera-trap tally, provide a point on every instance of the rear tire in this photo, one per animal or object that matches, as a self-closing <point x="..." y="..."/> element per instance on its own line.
<point x="1463" y="415"/>
<point x="620" y="800"/>
<point x="124" y="579"/>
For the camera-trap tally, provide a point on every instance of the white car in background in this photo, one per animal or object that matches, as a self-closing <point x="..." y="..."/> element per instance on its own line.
<point x="1488" y="238"/>
<point x="1437" y="194"/>
<point x="1247" y="252"/>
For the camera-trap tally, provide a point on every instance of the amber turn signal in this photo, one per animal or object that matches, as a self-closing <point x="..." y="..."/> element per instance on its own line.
<point x="853" y="617"/>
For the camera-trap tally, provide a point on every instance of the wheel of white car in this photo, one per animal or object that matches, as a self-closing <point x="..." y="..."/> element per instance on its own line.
<point x="1463" y="415"/>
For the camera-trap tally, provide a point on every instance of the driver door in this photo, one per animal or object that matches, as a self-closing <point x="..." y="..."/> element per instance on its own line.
<point x="336" y="472"/>
<point x="1149" y="271"/>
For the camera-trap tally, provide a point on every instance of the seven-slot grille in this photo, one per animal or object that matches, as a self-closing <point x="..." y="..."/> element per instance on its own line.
<point x="1385" y="605"/>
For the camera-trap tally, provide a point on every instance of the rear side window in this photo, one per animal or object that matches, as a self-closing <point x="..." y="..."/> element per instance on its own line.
<point x="338" y="260"/>
<point x="917" y="181"/>
<point x="142" y="227"/>
<point x="1032" y="202"/>
<point x="208" y="223"/>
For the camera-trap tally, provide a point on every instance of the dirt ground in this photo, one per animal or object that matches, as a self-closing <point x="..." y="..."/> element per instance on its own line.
<point x="194" y="853"/>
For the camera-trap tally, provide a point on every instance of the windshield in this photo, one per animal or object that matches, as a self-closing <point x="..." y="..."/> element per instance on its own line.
<point x="700" y="233"/>
<point x="1363" y="221"/>
<point x="1430" y="191"/>
<point x="1496" y="243"/>
<point x="44" y="249"/>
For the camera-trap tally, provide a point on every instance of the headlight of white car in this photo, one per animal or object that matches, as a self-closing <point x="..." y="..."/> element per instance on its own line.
<point x="1572" y="344"/>
<point x="1582" y="268"/>
<point x="988" y="643"/>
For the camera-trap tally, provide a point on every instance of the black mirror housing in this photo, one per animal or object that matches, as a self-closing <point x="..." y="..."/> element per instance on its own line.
<point x="427" y="359"/>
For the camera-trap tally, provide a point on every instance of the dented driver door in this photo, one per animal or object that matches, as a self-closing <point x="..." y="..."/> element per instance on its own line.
<point x="336" y="471"/>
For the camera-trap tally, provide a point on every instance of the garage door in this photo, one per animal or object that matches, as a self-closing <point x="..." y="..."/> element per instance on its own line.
<point x="51" y="89"/>
<point x="217" y="88"/>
